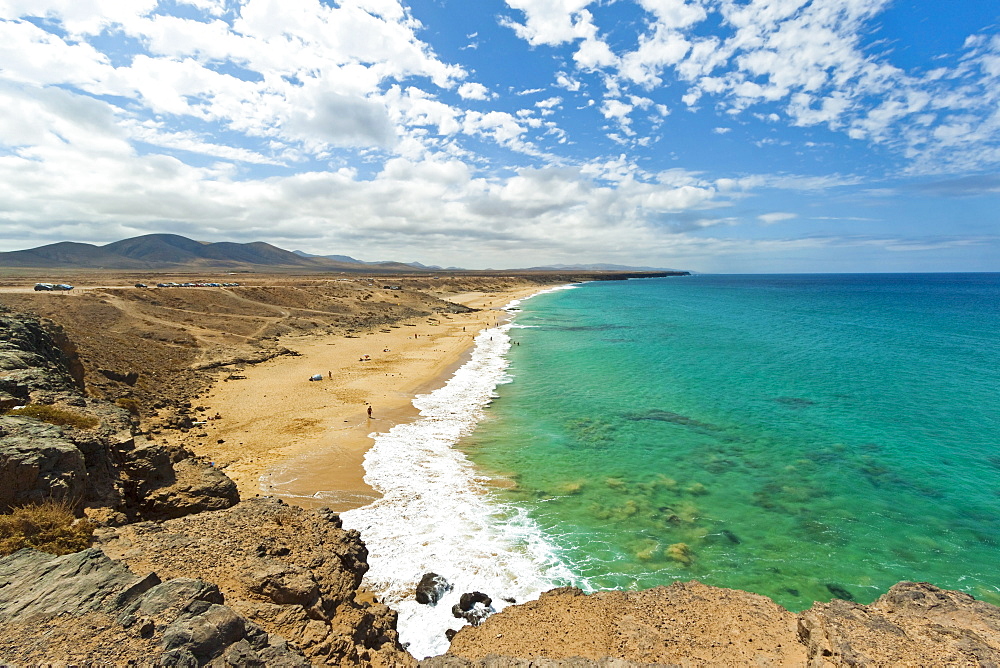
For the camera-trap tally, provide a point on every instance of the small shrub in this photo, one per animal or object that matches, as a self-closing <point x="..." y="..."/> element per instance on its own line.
<point x="53" y="415"/>
<point x="49" y="526"/>
<point x="129" y="404"/>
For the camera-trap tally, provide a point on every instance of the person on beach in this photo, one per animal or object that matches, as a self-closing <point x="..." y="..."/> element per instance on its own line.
<point x="369" y="411"/>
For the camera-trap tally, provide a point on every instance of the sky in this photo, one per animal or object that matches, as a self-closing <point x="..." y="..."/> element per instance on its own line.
<point x="721" y="136"/>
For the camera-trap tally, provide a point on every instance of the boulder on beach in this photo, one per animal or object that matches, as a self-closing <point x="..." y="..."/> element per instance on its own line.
<point x="473" y="607"/>
<point x="431" y="588"/>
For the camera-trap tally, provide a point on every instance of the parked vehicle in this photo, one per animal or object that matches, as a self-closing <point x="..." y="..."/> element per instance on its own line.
<point x="141" y="285"/>
<point x="49" y="287"/>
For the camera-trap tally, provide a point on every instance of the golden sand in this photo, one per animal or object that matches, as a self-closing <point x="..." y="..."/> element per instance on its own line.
<point x="279" y="433"/>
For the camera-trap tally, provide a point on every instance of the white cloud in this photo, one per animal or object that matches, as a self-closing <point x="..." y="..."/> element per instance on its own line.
<point x="34" y="56"/>
<point x="810" y="60"/>
<point x="563" y="80"/>
<point x="501" y="126"/>
<point x="675" y="14"/>
<point x="776" y="217"/>
<point x="662" y="48"/>
<point x="552" y="22"/>
<point x="123" y="118"/>
<point x="473" y="91"/>
<point x="593" y="54"/>
<point x="81" y="17"/>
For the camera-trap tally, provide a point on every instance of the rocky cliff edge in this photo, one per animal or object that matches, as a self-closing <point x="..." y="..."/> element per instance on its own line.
<point x="182" y="575"/>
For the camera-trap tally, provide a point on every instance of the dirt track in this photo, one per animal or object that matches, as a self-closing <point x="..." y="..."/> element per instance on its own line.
<point x="164" y="338"/>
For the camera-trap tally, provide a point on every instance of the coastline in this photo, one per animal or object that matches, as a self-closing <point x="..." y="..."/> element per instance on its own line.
<point x="431" y="489"/>
<point x="304" y="442"/>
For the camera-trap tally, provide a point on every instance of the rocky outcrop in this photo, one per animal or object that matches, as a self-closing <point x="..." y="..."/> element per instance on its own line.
<point x="912" y="619"/>
<point x="32" y="361"/>
<point x="473" y="607"/>
<point x="96" y="461"/>
<point x="687" y="623"/>
<point x="293" y="572"/>
<point x="37" y="462"/>
<point x="162" y="488"/>
<point x="431" y="588"/>
<point x="691" y="624"/>
<point x="84" y="608"/>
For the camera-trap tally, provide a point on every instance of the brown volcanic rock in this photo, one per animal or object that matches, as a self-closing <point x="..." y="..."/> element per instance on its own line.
<point x="687" y="623"/>
<point x="107" y="465"/>
<point x="293" y="572"/>
<point x="914" y="623"/>
<point x="691" y="624"/>
<point x="85" y="609"/>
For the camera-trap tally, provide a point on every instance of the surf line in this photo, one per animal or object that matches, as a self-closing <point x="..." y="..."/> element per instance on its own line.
<point x="437" y="514"/>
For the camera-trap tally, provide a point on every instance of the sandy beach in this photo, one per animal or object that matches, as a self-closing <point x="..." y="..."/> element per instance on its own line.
<point x="278" y="433"/>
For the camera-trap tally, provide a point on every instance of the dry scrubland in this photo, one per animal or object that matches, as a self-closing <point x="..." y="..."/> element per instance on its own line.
<point x="181" y="572"/>
<point x="161" y="346"/>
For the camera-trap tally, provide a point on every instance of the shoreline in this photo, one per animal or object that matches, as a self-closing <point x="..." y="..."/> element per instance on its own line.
<point x="279" y="434"/>
<point x="432" y="489"/>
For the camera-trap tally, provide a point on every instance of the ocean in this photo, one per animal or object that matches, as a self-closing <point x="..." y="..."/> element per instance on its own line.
<point x="804" y="437"/>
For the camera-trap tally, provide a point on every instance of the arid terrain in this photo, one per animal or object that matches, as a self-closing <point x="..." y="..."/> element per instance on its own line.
<point x="181" y="571"/>
<point x="161" y="346"/>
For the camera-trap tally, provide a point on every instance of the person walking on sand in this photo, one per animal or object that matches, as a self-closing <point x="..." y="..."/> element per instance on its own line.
<point x="369" y="411"/>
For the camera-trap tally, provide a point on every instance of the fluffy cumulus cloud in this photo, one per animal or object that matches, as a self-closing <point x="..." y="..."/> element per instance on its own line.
<point x="338" y="126"/>
<point x="811" y="60"/>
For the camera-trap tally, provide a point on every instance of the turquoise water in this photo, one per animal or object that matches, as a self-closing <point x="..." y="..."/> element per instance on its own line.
<point x="802" y="437"/>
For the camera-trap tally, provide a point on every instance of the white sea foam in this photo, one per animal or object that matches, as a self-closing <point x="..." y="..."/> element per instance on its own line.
<point x="437" y="515"/>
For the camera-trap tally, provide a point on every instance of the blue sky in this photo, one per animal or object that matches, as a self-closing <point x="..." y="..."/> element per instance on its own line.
<point x="713" y="135"/>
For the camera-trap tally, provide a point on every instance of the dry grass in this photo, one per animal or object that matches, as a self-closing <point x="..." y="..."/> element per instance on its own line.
<point x="129" y="404"/>
<point x="49" y="526"/>
<point x="58" y="416"/>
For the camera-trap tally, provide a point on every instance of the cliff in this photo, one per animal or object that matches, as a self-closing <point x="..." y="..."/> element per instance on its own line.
<point x="58" y="443"/>
<point x="179" y="573"/>
<point x="691" y="624"/>
<point x="168" y="582"/>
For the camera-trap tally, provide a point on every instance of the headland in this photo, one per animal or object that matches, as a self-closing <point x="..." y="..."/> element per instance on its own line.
<point x="179" y="570"/>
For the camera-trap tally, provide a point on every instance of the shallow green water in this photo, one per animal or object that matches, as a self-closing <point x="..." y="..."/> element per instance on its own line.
<point x="802" y="437"/>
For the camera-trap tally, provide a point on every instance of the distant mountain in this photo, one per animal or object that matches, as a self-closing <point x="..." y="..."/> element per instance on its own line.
<point x="336" y="258"/>
<point x="594" y="267"/>
<point x="432" y="267"/>
<point x="70" y="255"/>
<point x="173" y="252"/>
<point x="158" y="248"/>
<point x="381" y="265"/>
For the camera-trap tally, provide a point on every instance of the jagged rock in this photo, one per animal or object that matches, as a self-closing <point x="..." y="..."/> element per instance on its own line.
<point x="431" y="588"/>
<point x="36" y="584"/>
<point x="106" y="467"/>
<point x="293" y="572"/>
<point x="913" y="619"/>
<point x="36" y="357"/>
<point x="128" y="378"/>
<point x="197" y="486"/>
<point x="95" y="610"/>
<point x="36" y="463"/>
<point x="284" y="583"/>
<point x="691" y="624"/>
<point x="473" y="607"/>
<point x="8" y="401"/>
